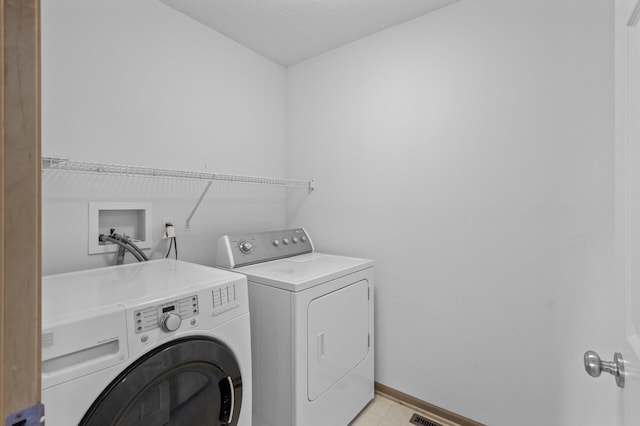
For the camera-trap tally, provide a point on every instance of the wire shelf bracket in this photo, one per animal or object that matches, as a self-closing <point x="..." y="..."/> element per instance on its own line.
<point x="66" y="165"/>
<point x="195" y="208"/>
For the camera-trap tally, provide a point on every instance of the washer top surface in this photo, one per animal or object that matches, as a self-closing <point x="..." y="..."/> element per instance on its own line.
<point x="84" y="291"/>
<point x="301" y="272"/>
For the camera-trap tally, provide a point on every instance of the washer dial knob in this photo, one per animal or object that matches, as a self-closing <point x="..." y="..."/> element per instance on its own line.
<point x="285" y="241"/>
<point x="170" y="321"/>
<point x="276" y="243"/>
<point x="295" y="239"/>
<point x="245" y="247"/>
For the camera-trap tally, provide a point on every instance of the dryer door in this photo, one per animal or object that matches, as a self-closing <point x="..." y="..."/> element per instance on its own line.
<point x="192" y="381"/>
<point x="338" y="335"/>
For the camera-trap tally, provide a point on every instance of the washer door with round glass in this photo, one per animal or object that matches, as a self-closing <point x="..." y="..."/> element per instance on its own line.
<point x="191" y="381"/>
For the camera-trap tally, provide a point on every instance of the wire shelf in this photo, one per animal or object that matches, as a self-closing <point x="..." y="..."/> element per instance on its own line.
<point x="66" y="165"/>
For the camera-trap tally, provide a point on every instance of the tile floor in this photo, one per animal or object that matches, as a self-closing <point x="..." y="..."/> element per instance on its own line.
<point x="383" y="411"/>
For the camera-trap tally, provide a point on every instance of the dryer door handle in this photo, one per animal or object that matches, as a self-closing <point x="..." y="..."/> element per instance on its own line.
<point x="320" y="346"/>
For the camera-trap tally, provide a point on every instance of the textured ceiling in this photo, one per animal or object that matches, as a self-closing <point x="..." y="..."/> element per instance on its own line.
<point x="289" y="31"/>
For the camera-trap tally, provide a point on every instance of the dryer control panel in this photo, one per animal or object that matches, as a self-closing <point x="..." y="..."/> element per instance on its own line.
<point x="239" y="250"/>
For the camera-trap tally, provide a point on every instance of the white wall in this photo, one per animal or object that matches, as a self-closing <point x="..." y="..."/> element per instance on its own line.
<point x="470" y="153"/>
<point x="139" y="83"/>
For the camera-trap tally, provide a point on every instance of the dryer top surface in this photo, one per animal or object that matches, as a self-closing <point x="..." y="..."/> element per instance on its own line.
<point x="299" y="273"/>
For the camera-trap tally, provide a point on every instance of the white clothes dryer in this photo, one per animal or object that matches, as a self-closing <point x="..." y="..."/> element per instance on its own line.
<point x="163" y="342"/>
<point x="311" y="328"/>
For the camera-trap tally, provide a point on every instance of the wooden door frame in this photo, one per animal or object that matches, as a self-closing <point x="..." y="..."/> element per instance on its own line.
<point x="20" y="236"/>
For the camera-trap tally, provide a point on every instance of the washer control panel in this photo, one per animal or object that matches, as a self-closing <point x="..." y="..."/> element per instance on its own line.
<point x="168" y="316"/>
<point x="244" y="249"/>
<point x="225" y="298"/>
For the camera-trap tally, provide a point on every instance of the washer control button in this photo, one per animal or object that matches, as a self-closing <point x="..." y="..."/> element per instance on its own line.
<point x="276" y="243"/>
<point x="285" y="241"/>
<point x="170" y="321"/>
<point x="303" y="238"/>
<point x="295" y="239"/>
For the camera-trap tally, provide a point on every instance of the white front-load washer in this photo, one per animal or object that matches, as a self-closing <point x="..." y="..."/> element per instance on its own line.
<point x="311" y="328"/>
<point x="163" y="342"/>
